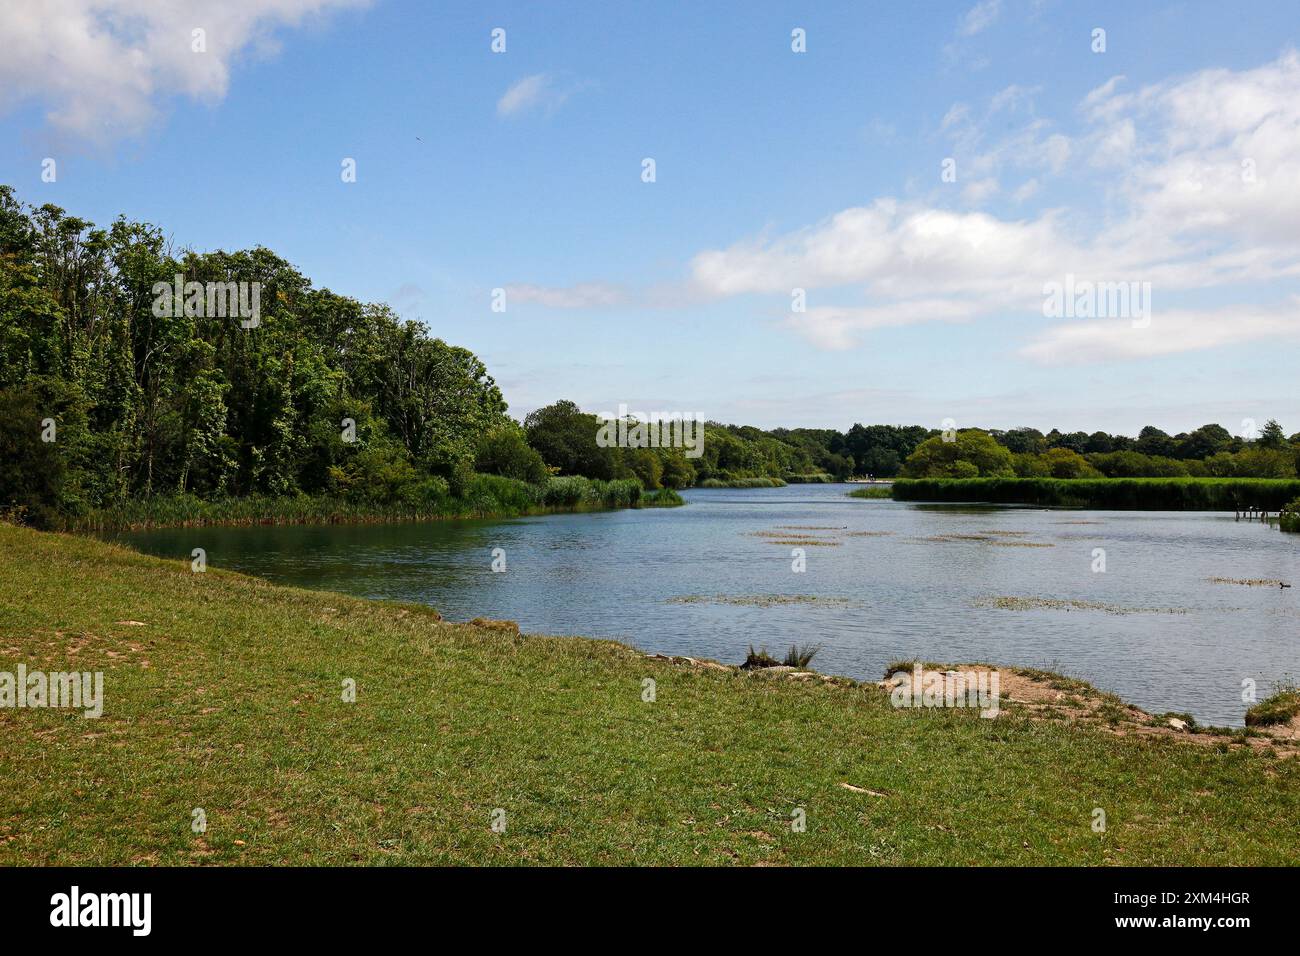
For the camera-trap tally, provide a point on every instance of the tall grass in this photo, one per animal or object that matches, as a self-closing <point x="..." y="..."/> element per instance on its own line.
<point x="873" y="491"/>
<point x="742" y="483"/>
<point x="1143" y="494"/>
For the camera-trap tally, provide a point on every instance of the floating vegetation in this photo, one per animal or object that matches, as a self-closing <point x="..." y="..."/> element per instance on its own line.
<point x="1010" y="534"/>
<point x="812" y="527"/>
<point x="867" y="534"/>
<point x="986" y="538"/>
<point x="809" y="542"/>
<point x="1060" y="604"/>
<point x="1251" y="582"/>
<point x="799" y="540"/>
<point x="762" y="600"/>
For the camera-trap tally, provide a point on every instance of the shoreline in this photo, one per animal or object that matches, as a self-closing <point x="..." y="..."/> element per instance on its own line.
<point x="152" y="514"/>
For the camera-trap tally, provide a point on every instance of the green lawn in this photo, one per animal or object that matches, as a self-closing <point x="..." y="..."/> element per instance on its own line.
<point x="228" y="699"/>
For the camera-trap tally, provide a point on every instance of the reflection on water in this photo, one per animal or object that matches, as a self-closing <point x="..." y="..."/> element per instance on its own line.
<point x="1153" y="628"/>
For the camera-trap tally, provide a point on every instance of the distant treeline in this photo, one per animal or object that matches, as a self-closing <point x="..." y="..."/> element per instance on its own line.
<point x="120" y="384"/>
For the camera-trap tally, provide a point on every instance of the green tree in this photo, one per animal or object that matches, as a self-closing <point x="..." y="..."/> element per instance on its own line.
<point x="971" y="453"/>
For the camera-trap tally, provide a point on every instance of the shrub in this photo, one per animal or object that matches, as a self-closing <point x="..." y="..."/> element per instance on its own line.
<point x="31" y="470"/>
<point x="505" y="451"/>
<point x="1289" y="519"/>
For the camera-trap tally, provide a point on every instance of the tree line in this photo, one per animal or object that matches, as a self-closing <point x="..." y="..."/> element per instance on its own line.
<point x="105" y="397"/>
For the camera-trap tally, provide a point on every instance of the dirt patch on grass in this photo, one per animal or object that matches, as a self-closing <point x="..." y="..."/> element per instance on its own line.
<point x="1043" y="695"/>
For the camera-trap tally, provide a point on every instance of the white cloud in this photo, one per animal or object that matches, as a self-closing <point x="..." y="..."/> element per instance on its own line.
<point x="102" y="68"/>
<point x="976" y="191"/>
<point x="1169" y="333"/>
<point x="540" y="91"/>
<point x="1201" y="178"/>
<point x="980" y="17"/>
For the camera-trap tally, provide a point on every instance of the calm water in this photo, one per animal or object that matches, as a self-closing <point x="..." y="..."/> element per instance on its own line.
<point x="613" y="574"/>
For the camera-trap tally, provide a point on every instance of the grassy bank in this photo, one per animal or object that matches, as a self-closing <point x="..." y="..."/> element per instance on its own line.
<point x="486" y="496"/>
<point x="223" y="692"/>
<point x="1149" y="494"/>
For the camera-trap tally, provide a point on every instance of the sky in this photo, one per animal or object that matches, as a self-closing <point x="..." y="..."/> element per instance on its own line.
<point x="858" y="211"/>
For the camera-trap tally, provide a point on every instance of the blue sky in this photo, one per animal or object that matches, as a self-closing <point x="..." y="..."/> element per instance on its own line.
<point x="1172" y="158"/>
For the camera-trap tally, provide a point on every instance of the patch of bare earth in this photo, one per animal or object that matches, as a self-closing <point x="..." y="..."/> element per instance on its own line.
<point x="1042" y="695"/>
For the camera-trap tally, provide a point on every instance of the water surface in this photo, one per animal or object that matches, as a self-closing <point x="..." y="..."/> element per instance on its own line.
<point x="1185" y="645"/>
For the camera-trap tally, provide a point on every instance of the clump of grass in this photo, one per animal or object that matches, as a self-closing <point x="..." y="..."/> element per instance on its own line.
<point x="757" y="660"/>
<point x="801" y="656"/>
<point x="1277" y="709"/>
<point x="663" y="498"/>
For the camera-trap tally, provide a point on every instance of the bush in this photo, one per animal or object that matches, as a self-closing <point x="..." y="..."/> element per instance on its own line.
<point x="504" y="451"/>
<point x="31" y="470"/>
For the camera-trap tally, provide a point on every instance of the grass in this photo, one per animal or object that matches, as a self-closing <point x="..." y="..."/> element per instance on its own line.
<point x="1149" y="494"/>
<point x="873" y="491"/>
<point x="801" y="655"/>
<point x="485" y="496"/>
<point x="227" y="698"/>
<point x="1278" y="709"/>
<point x="742" y="483"/>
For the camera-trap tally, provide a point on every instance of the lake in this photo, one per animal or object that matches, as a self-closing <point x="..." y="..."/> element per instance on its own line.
<point x="883" y="581"/>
